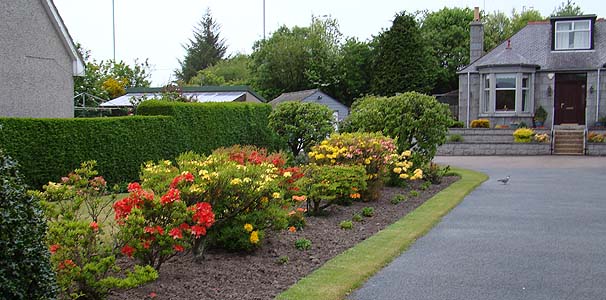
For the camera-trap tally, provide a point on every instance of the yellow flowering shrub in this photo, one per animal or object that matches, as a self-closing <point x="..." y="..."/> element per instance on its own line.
<point x="480" y="123"/>
<point x="523" y="135"/>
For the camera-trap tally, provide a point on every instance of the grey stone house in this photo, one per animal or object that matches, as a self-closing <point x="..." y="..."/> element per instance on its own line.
<point x="38" y="59"/>
<point x="340" y="111"/>
<point x="557" y="64"/>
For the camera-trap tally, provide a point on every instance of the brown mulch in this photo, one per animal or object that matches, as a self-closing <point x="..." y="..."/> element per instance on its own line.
<point x="258" y="275"/>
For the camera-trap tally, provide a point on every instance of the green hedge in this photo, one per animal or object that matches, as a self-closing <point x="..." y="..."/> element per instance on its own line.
<point x="204" y="127"/>
<point x="50" y="148"/>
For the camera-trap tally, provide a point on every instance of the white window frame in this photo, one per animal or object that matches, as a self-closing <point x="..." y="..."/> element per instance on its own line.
<point x="574" y="31"/>
<point x="490" y="103"/>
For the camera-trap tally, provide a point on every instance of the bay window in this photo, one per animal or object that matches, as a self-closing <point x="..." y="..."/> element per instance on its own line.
<point x="506" y="93"/>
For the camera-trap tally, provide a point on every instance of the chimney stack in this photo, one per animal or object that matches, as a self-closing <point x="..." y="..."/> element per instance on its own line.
<point x="476" y="39"/>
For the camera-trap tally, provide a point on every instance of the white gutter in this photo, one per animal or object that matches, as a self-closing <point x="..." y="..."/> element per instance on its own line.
<point x="597" y="96"/>
<point x="468" y="96"/>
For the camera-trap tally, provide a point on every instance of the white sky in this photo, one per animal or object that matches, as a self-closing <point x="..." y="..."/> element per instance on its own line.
<point x="157" y="29"/>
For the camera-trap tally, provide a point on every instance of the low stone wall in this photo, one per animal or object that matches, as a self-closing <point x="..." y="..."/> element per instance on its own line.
<point x="484" y="141"/>
<point x="596" y="149"/>
<point x="475" y="149"/>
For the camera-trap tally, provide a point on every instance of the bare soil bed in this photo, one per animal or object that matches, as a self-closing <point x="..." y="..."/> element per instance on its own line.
<point x="260" y="275"/>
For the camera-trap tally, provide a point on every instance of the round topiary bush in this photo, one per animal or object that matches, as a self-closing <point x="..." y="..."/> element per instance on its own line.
<point x="25" y="271"/>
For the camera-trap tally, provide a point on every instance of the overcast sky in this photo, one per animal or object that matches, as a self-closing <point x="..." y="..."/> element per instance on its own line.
<point x="157" y="29"/>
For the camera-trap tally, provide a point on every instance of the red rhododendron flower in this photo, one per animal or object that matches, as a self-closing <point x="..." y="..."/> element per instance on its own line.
<point x="128" y="250"/>
<point x="203" y="214"/>
<point x="173" y="195"/>
<point x="186" y="176"/>
<point x="68" y="263"/>
<point x="301" y="209"/>
<point x="146" y="244"/>
<point x="54" y="248"/>
<point x="198" y="230"/>
<point x="178" y="248"/>
<point x="134" y="186"/>
<point x="159" y="230"/>
<point x="184" y="226"/>
<point x="149" y="229"/>
<point x="94" y="226"/>
<point x="175" y="233"/>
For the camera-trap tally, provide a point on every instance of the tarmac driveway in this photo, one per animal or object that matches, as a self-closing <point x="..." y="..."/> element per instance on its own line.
<point x="542" y="236"/>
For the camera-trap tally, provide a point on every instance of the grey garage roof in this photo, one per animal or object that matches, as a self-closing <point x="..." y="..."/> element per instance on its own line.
<point x="294" y="96"/>
<point x="124" y="101"/>
<point x="531" y="46"/>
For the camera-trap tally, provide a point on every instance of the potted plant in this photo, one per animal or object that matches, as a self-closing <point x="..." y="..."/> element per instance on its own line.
<point x="601" y="122"/>
<point x="540" y="114"/>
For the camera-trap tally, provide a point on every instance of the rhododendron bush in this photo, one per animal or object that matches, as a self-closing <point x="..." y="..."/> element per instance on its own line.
<point x="243" y="185"/>
<point x="83" y="259"/>
<point x="377" y="153"/>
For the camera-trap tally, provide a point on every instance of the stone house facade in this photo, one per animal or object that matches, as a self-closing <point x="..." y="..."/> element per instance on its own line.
<point x="558" y="64"/>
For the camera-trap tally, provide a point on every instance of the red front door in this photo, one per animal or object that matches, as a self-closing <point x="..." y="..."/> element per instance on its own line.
<point x="570" y="93"/>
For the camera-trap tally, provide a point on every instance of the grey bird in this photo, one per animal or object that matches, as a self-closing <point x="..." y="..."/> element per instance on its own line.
<point x="504" y="180"/>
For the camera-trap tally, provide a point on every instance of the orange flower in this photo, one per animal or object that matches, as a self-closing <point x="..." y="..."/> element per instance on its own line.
<point x="299" y="198"/>
<point x="94" y="226"/>
<point x="54" y="248"/>
<point x="292" y="212"/>
<point x="292" y="229"/>
<point x="354" y="196"/>
<point x="301" y="209"/>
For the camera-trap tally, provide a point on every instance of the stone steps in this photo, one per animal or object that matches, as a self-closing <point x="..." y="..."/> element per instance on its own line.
<point x="568" y="142"/>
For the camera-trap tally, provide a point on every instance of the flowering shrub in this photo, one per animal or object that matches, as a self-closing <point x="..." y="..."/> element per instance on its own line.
<point x="83" y="260"/>
<point x="541" y="138"/>
<point x="326" y="185"/>
<point x="154" y="229"/>
<point x="243" y="186"/>
<point x="480" y="123"/>
<point x="594" y="137"/>
<point x="374" y="151"/>
<point x="523" y="135"/>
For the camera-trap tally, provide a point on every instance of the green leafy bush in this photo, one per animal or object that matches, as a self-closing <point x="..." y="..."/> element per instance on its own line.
<point x="457" y="124"/>
<point x="414" y="194"/>
<point x="53" y="147"/>
<point x="368" y="212"/>
<point x="303" y="244"/>
<point x="25" y="270"/>
<point x="326" y="185"/>
<point x="301" y="124"/>
<point x="419" y="122"/>
<point x="398" y="198"/>
<point x="434" y="173"/>
<point x="455" y="138"/>
<point x="357" y="218"/>
<point x="347" y="225"/>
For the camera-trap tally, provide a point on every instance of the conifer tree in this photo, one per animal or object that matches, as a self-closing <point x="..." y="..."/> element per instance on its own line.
<point x="205" y="49"/>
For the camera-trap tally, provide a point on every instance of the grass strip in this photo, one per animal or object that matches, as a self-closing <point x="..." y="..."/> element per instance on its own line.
<point x="349" y="270"/>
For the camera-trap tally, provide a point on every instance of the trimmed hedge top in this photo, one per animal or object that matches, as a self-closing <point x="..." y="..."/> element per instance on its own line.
<point x="49" y="148"/>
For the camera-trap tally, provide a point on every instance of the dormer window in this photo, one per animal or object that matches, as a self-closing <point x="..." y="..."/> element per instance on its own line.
<point x="573" y="35"/>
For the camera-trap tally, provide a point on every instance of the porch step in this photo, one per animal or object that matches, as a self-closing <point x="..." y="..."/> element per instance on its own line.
<point x="568" y="141"/>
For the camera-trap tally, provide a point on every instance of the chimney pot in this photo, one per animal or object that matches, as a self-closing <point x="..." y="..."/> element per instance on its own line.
<point x="476" y="14"/>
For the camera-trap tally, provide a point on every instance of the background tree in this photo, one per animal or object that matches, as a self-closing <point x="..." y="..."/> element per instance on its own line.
<point x="231" y="71"/>
<point x="448" y="33"/>
<point x="355" y="68"/>
<point x="403" y="59"/>
<point x="568" y="8"/>
<point x="297" y="58"/>
<point x="497" y="29"/>
<point x="109" y="79"/>
<point x="301" y="125"/>
<point x="204" y="50"/>
<point x="520" y="20"/>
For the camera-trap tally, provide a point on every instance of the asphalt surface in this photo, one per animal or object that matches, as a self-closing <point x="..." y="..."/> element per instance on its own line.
<point x="541" y="236"/>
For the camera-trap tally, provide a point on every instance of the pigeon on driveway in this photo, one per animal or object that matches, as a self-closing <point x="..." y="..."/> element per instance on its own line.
<point x="504" y="180"/>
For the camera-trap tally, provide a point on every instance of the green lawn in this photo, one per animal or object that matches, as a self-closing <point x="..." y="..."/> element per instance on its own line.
<point x="348" y="271"/>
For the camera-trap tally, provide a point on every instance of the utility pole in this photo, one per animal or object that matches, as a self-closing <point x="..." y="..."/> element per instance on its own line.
<point x="114" y="28"/>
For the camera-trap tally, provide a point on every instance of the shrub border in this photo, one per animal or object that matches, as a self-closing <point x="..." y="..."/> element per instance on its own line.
<point x="349" y="270"/>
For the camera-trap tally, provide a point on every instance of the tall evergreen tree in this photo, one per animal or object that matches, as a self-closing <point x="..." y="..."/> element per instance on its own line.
<point x="403" y="60"/>
<point x="204" y="50"/>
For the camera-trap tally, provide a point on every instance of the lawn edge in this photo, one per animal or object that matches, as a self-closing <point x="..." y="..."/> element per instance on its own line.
<point x="350" y="269"/>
